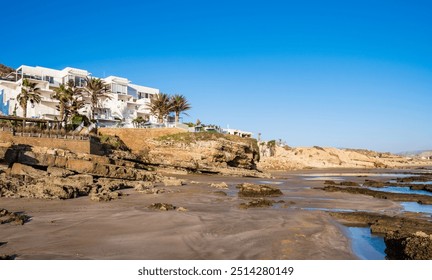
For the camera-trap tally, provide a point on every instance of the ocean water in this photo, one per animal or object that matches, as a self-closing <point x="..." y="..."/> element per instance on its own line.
<point x="366" y="245"/>
<point x="404" y="190"/>
<point x="416" y="207"/>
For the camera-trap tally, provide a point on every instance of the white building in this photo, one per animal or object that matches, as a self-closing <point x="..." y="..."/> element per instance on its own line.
<point x="127" y="101"/>
<point x="237" y="132"/>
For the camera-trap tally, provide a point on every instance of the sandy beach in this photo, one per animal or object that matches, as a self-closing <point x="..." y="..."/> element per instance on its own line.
<point x="213" y="227"/>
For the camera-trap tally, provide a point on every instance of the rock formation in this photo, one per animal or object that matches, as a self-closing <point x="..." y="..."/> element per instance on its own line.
<point x="274" y="157"/>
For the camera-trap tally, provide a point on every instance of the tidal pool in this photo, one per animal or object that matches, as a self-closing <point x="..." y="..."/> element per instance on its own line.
<point x="405" y="190"/>
<point x="416" y="207"/>
<point x="366" y="245"/>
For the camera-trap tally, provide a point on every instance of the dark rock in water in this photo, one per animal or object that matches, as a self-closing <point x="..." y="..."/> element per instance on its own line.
<point x="329" y="182"/>
<point x="417" y="246"/>
<point x="424" y="199"/>
<point x="348" y="183"/>
<point x="375" y="184"/>
<point x="422" y="178"/>
<point x="252" y="190"/>
<point x="162" y="206"/>
<point x="257" y="203"/>
<point x="343" y="183"/>
<point x="7" y="217"/>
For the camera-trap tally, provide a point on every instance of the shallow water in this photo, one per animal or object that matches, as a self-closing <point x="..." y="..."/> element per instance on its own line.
<point x="271" y="182"/>
<point x="366" y="245"/>
<point x="342" y="176"/>
<point x="421" y="183"/>
<point x="400" y="175"/>
<point x="404" y="190"/>
<point x="327" y="209"/>
<point x="416" y="207"/>
<point x="412" y="183"/>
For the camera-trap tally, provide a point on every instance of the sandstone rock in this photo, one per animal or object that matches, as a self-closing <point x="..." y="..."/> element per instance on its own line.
<point x="22" y="169"/>
<point x="257" y="203"/>
<point x="59" y="172"/>
<point x="416" y="246"/>
<point x="284" y="158"/>
<point x="182" y="209"/>
<point x="10" y="217"/>
<point x="80" y="166"/>
<point x="170" y="181"/>
<point x="222" y="185"/>
<point x="142" y="186"/>
<point x="162" y="206"/>
<point x="252" y="190"/>
<point x="99" y="194"/>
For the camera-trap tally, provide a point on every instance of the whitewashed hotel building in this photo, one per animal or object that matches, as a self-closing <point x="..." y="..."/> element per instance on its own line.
<point x="127" y="101"/>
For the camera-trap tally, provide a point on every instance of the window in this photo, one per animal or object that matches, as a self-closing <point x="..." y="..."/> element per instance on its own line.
<point x="79" y="81"/>
<point x="119" y="89"/>
<point x="49" y="79"/>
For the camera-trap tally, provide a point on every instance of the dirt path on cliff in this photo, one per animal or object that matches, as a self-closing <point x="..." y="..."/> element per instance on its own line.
<point x="214" y="227"/>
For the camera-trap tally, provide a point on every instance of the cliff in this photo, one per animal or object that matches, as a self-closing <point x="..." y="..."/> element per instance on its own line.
<point x="274" y="157"/>
<point x="196" y="152"/>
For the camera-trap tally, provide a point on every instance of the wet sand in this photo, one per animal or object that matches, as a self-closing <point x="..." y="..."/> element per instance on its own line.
<point x="214" y="227"/>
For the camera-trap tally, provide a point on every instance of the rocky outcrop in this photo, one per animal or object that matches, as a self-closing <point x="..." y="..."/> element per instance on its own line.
<point x="423" y="199"/>
<point x="416" y="246"/>
<point x="194" y="152"/>
<point x="256" y="203"/>
<point x="203" y="151"/>
<point x="37" y="172"/>
<point x="276" y="157"/>
<point x="221" y="185"/>
<point x="7" y="217"/>
<point x="252" y="190"/>
<point x="166" y="207"/>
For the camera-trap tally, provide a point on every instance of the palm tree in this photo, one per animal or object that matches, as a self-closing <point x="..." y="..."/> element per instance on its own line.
<point x="160" y="106"/>
<point x="68" y="95"/>
<point x="97" y="89"/>
<point x="179" y="104"/>
<point x="29" y="92"/>
<point x="64" y="96"/>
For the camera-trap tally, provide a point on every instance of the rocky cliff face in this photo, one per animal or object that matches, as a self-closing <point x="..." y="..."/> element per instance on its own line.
<point x="286" y="158"/>
<point x="195" y="152"/>
<point x="203" y="151"/>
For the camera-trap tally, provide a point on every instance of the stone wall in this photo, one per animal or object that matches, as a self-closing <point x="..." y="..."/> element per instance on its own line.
<point x="90" y="146"/>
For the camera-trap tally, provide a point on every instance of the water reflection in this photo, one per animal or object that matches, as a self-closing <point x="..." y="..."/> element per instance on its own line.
<point x="404" y="190"/>
<point x="416" y="207"/>
<point x="366" y="245"/>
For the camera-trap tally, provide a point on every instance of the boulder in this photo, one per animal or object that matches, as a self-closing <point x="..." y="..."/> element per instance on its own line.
<point x="252" y="190"/>
<point x="257" y="203"/>
<point x="22" y="169"/>
<point x="162" y="206"/>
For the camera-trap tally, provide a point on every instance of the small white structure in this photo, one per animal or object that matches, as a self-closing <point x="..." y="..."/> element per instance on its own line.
<point x="127" y="101"/>
<point x="237" y="132"/>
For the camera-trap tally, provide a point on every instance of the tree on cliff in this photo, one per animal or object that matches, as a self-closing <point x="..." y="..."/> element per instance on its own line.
<point x="160" y="106"/>
<point x="97" y="89"/>
<point x="179" y="104"/>
<point x="29" y="93"/>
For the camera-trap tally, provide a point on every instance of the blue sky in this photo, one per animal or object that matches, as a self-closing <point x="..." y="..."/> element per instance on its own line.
<point x="330" y="73"/>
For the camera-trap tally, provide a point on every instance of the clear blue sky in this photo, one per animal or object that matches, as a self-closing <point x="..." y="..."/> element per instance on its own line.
<point x="329" y="73"/>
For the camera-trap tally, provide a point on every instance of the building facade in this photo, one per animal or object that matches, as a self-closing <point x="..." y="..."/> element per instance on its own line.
<point x="126" y="101"/>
